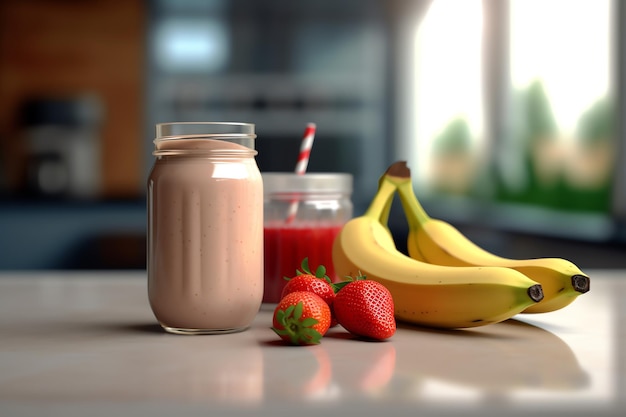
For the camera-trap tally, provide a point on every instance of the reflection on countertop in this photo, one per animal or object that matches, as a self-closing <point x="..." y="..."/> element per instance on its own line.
<point x="87" y="342"/>
<point x="528" y="357"/>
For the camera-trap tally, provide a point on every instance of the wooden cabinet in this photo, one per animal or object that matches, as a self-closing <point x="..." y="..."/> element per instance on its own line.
<point x="61" y="49"/>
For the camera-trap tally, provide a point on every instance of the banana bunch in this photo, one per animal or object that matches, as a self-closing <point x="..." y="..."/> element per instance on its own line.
<point x="425" y="293"/>
<point x="438" y="242"/>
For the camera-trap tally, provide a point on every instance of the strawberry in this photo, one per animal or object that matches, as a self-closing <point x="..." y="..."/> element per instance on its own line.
<point x="365" y="308"/>
<point x="301" y="318"/>
<point x="318" y="283"/>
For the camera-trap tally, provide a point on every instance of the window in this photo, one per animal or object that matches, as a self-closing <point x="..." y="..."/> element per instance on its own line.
<point x="512" y="102"/>
<point x="560" y="60"/>
<point x="447" y="97"/>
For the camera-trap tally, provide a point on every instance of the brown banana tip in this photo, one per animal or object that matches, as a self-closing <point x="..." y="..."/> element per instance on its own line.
<point x="399" y="169"/>
<point x="581" y="283"/>
<point x="536" y="293"/>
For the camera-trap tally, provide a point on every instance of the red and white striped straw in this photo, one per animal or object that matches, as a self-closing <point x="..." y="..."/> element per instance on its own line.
<point x="305" y="149"/>
<point x="303" y="162"/>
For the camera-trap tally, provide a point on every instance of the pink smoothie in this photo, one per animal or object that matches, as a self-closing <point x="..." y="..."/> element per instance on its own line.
<point x="205" y="236"/>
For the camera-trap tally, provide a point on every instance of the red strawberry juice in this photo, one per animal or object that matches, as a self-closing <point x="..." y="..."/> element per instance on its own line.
<point x="205" y="236"/>
<point x="286" y="247"/>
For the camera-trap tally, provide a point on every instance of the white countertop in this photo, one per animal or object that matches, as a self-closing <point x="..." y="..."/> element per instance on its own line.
<point x="87" y="344"/>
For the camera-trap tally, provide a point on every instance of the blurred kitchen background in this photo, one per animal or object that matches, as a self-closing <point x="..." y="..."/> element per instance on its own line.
<point x="510" y="113"/>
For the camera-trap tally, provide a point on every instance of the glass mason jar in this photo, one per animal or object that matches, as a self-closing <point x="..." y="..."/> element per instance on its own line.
<point x="303" y="214"/>
<point x="205" y="228"/>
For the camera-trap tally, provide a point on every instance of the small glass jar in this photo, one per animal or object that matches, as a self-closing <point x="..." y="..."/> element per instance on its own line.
<point x="205" y="228"/>
<point x="303" y="215"/>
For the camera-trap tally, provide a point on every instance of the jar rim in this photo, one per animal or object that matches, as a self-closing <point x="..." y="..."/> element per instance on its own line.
<point x="236" y="132"/>
<point x="290" y="182"/>
<point x="180" y="129"/>
<point x="225" y="153"/>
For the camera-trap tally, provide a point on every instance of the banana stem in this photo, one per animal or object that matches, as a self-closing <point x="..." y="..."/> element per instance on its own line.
<point x="381" y="200"/>
<point x="384" y="216"/>
<point x="396" y="171"/>
<point x="416" y="215"/>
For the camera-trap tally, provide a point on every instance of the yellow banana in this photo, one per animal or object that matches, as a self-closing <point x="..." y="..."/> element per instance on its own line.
<point x="426" y="294"/>
<point x="438" y="242"/>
